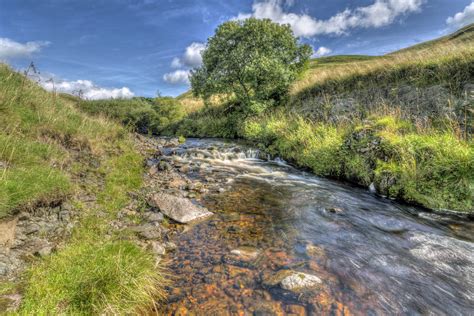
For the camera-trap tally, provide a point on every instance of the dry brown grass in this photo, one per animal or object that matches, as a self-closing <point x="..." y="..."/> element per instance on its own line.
<point x="340" y="72"/>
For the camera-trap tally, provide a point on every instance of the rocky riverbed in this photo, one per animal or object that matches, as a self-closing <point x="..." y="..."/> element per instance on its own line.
<point x="284" y="242"/>
<point x="242" y="235"/>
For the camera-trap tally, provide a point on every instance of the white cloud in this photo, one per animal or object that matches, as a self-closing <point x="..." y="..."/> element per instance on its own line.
<point x="176" y="63"/>
<point x="177" y="77"/>
<point x="12" y="49"/>
<point x="191" y="57"/>
<point x="380" y="13"/>
<point x="322" y="51"/>
<point x="463" y="18"/>
<point x="86" y="89"/>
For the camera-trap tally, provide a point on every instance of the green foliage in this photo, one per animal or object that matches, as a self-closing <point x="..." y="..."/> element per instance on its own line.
<point x="256" y="60"/>
<point x="86" y="279"/>
<point x="211" y="121"/>
<point x="168" y="112"/>
<point x="136" y="113"/>
<point x="434" y="169"/>
<point x="144" y="115"/>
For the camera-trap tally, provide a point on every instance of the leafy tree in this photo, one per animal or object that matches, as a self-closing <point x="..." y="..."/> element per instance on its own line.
<point x="256" y="60"/>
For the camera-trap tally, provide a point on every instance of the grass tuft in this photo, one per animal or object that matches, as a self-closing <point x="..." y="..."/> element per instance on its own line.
<point x="84" y="279"/>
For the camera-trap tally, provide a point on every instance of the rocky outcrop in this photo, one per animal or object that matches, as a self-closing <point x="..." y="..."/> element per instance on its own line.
<point x="179" y="209"/>
<point x="33" y="233"/>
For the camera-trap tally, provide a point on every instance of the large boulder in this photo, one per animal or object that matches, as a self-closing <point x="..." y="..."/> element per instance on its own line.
<point x="181" y="210"/>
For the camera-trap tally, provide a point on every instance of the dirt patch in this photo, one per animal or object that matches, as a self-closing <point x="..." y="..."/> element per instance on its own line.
<point x="7" y="231"/>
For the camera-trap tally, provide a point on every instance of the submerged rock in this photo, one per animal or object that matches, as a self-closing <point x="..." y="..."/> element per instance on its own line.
<point x="336" y="210"/>
<point x="314" y="251"/>
<point x="293" y="281"/>
<point x="245" y="253"/>
<point x="299" y="281"/>
<point x="179" y="209"/>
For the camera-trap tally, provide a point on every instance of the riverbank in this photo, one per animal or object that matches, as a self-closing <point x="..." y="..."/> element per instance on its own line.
<point x="66" y="177"/>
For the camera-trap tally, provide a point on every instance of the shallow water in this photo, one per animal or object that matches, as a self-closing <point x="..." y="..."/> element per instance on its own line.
<point x="373" y="255"/>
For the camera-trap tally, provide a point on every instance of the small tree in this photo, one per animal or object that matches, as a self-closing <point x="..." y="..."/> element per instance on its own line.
<point x="256" y="60"/>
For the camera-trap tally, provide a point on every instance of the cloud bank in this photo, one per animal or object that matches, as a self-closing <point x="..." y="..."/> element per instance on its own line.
<point x="86" y="89"/>
<point x="378" y="14"/>
<point x="463" y="18"/>
<point x="11" y="49"/>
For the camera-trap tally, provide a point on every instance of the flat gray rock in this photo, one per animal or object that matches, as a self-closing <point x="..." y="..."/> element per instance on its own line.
<point x="179" y="209"/>
<point x="299" y="281"/>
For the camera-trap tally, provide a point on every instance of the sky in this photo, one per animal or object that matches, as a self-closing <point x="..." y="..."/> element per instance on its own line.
<point x="126" y="48"/>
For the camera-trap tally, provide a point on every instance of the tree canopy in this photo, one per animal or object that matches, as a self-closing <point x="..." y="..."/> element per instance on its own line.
<point x="255" y="60"/>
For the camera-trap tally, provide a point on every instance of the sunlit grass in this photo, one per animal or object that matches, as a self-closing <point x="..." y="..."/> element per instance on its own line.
<point x="45" y="142"/>
<point x="430" y="167"/>
<point x="388" y="68"/>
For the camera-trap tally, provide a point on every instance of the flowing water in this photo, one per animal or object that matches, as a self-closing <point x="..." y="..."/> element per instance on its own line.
<point x="374" y="256"/>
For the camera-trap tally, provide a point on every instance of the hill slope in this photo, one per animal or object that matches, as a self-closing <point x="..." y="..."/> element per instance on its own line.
<point x="59" y="163"/>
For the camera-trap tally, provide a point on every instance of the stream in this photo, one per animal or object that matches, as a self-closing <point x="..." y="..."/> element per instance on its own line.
<point x="372" y="255"/>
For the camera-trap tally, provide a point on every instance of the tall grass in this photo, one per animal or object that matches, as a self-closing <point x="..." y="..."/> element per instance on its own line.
<point x="46" y="143"/>
<point x="422" y="67"/>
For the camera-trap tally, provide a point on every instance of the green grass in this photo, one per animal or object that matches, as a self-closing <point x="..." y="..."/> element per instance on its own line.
<point x="91" y="279"/>
<point x="46" y="143"/>
<point x="144" y="115"/>
<point x="338" y="60"/>
<point x="431" y="168"/>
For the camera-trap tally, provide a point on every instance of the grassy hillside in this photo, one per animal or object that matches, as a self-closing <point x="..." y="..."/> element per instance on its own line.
<point x="47" y="147"/>
<point x="463" y="36"/>
<point x="402" y="121"/>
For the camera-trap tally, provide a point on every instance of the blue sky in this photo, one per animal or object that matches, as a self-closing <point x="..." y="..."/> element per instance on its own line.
<point x="135" y="47"/>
